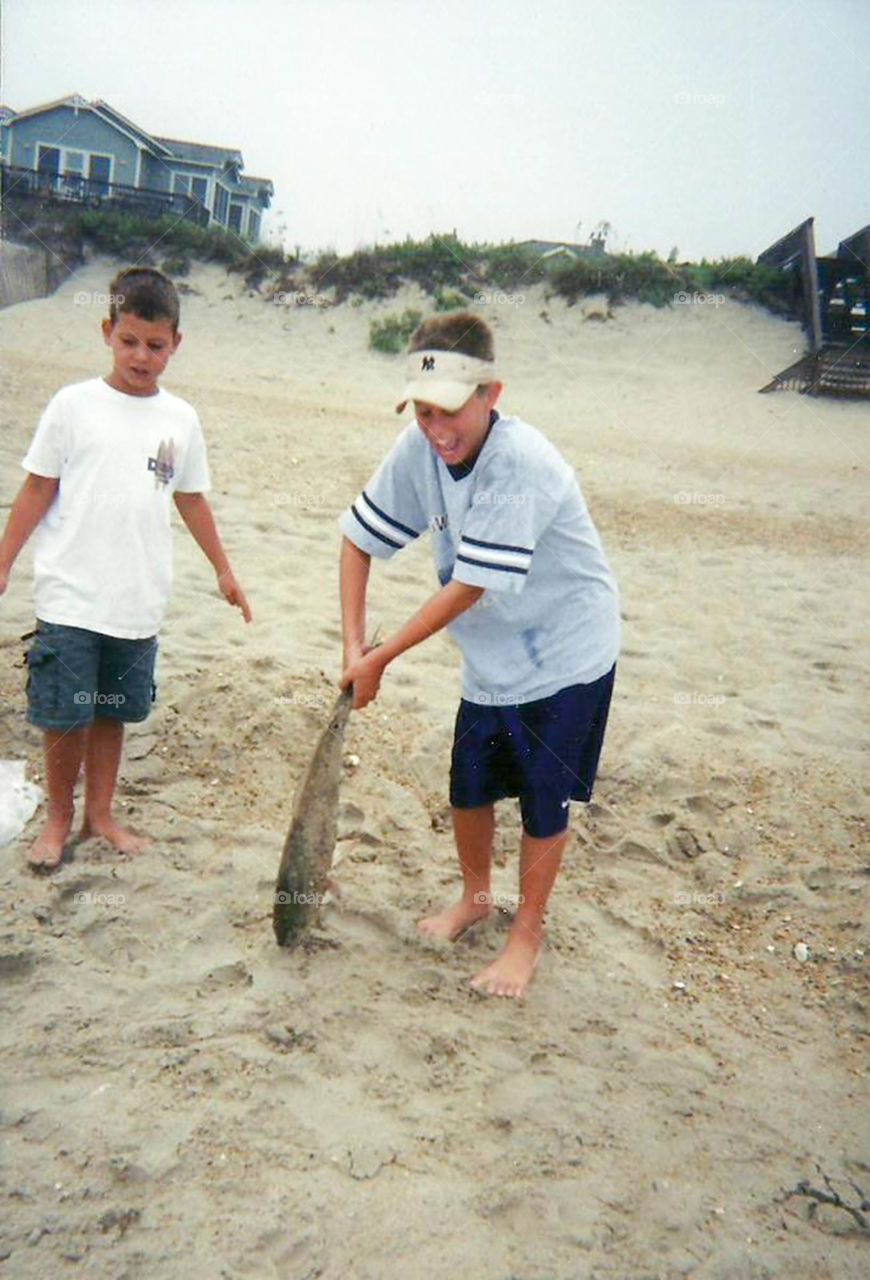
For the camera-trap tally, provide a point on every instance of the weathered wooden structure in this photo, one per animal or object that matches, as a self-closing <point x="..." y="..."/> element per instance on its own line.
<point x="832" y="295"/>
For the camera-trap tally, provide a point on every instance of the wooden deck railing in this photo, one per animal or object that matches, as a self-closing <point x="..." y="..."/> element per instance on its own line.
<point x="95" y="194"/>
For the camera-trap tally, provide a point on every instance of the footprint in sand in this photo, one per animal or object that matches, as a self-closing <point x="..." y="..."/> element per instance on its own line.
<point x="682" y="843"/>
<point x="602" y="824"/>
<point x="631" y="848"/>
<point x="234" y="974"/>
<point x="91" y="891"/>
<point x="703" y="804"/>
<point x="16" y="964"/>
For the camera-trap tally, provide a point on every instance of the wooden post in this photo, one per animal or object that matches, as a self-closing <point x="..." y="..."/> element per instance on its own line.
<point x="810" y="277"/>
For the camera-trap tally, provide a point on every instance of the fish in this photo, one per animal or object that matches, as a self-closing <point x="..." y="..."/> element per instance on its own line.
<point x="308" y="849"/>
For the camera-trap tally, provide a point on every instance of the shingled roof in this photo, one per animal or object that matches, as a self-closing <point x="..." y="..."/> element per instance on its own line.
<point x="201" y="153"/>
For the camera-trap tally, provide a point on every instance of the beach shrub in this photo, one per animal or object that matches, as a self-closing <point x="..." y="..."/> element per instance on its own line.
<point x="644" y="277"/>
<point x="321" y="274"/>
<point x="392" y="333"/>
<point x="440" y="259"/>
<point x="448" y="299"/>
<point x="139" y="238"/>
<point x="256" y="264"/>
<point x="581" y="277"/>
<point x="511" y="267"/>
<point x="746" y="279"/>
<point x="176" y="265"/>
<point x="451" y="272"/>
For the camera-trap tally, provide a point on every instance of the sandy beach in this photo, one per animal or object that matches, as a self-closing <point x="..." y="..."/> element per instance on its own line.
<point x="182" y="1097"/>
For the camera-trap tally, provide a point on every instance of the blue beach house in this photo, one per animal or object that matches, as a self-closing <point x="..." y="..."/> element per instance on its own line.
<point x="74" y="150"/>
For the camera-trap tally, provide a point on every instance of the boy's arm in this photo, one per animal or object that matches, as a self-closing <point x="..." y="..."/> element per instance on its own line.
<point x="365" y="671"/>
<point x="34" y="498"/>
<point x="353" y="580"/>
<point x="196" y="513"/>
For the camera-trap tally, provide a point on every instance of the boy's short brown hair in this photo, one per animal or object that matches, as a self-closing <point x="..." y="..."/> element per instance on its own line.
<point x="455" y="331"/>
<point x="144" y="292"/>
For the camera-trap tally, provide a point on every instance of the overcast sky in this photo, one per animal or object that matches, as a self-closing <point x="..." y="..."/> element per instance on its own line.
<point x="710" y="125"/>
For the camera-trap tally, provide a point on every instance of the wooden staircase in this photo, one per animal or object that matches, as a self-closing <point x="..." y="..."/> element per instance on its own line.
<point x="835" y="294"/>
<point x="833" y="371"/>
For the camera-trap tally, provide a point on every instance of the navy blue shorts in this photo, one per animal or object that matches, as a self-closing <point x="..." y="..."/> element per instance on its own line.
<point x="544" y="752"/>
<point x="75" y="676"/>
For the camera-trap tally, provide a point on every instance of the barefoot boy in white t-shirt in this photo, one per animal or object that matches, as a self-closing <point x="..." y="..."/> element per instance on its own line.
<point x="106" y="458"/>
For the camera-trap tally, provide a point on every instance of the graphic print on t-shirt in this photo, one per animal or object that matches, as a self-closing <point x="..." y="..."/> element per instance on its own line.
<point x="163" y="465"/>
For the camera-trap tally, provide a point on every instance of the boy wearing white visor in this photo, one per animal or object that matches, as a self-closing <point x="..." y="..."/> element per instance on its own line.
<point x="506" y="520"/>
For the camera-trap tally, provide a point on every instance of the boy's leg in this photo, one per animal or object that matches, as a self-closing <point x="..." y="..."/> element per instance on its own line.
<point x="62" y="751"/>
<point x="124" y="688"/>
<point x="510" y="973"/>
<point x="105" y="739"/>
<point x="473" y="831"/>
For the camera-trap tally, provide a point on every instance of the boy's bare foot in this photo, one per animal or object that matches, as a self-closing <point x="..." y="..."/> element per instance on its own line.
<point x="119" y="837"/>
<point x="453" y="921"/>
<point x="511" y="972"/>
<point x="46" y="852"/>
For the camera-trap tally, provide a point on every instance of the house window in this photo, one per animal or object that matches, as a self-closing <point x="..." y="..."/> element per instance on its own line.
<point x="236" y="218"/>
<point x="48" y="159"/>
<point x="187" y="184"/>
<point x="221" y="200"/>
<point x="73" y="166"/>
<point x="99" y="172"/>
<point x="73" y="174"/>
<point x="253" y="225"/>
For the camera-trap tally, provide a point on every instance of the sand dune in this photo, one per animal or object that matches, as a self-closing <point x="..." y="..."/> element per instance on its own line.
<point x="349" y="1109"/>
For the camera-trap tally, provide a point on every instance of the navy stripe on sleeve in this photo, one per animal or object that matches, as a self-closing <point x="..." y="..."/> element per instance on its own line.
<point x="497" y="546"/>
<point x="403" y="528"/>
<point x="370" y="528"/>
<point x="486" y="564"/>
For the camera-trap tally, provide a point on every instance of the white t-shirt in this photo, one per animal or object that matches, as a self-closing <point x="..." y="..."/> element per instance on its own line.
<point x="516" y="524"/>
<point x="103" y="551"/>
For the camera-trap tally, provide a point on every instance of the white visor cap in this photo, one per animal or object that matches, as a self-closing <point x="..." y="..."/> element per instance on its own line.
<point x="444" y="378"/>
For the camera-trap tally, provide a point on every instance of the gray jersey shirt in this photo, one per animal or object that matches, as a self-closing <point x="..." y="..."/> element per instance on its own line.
<point x="517" y="525"/>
